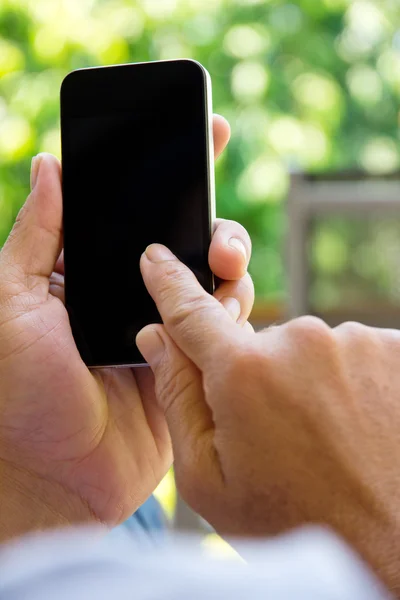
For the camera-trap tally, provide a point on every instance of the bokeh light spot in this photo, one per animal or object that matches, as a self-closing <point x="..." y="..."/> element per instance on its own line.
<point x="245" y="41"/>
<point x="380" y="156"/>
<point x="265" y="180"/>
<point x="250" y="80"/>
<point x="16" y="138"/>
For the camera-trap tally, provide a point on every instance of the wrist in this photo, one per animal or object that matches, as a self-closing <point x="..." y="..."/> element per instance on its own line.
<point x="29" y="503"/>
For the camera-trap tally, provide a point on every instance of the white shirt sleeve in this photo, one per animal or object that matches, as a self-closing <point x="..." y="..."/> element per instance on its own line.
<point x="80" y="565"/>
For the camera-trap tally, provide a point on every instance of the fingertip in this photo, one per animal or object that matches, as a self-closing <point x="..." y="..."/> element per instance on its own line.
<point x="46" y="178"/>
<point x="158" y="253"/>
<point x="222" y="124"/>
<point x="49" y="158"/>
<point x="157" y="327"/>
<point x="151" y="345"/>
<point x="230" y="250"/>
<point x="227" y="264"/>
<point x="35" y="167"/>
<point x="143" y="263"/>
<point x="37" y="164"/>
<point x="222" y="134"/>
<point x="43" y="162"/>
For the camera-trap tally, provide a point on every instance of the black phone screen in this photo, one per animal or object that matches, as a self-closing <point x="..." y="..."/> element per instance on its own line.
<point x="135" y="162"/>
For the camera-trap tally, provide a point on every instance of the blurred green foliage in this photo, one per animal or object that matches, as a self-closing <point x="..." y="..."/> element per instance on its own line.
<point x="307" y="84"/>
<point x="355" y="263"/>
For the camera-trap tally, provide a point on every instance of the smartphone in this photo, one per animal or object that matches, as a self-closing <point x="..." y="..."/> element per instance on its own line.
<point x="137" y="168"/>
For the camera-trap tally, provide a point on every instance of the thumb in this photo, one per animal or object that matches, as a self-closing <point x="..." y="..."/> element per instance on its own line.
<point x="179" y="391"/>
<point x="34" y="243"/>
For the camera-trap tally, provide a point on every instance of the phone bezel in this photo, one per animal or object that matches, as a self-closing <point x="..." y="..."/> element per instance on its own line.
<point x="210" y="159"/>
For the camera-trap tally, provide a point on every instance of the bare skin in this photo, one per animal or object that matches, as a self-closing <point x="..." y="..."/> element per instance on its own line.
<point x="298" y="424"/>
<point x="79" y="445"/>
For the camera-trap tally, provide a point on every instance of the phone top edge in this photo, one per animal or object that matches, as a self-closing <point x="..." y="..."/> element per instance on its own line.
<point x="75" y="72"/>
<point x="141" y="63"/>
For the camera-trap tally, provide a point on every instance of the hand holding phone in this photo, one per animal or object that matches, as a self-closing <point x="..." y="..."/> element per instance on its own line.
<point x="79" y="435"/>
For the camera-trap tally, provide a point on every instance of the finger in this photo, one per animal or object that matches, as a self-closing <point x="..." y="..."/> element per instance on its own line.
<point x="179" y="391"/>
<point x="230" y="250"/>
<point x="232" y="306"/>
<point x="222" y="133"/>
<point x="242" y="294"/>
<point x="59" y="268"/>
<point x="196" y="321"/>
<point x="56" y="286"/>
<point x="34" y="243"/>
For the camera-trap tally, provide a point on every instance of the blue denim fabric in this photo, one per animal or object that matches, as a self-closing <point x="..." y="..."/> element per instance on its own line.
<point x="146" y="525"/>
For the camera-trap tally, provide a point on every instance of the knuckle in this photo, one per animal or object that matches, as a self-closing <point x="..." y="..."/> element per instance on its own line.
<point x="359" y="338"/>
<point x="173" y="280"/>
<point x="354" y="330"/>
<point x="186" y="313"/>
<point x="308" y="324"/>
<point x="391" y="336"/>
<point x="168" y="271"/>
<point x="310" y="330"/>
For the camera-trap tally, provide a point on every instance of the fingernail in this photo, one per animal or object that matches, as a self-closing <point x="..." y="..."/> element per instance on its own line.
<point x="238" y="245"/>
<point x="158" y="253"/>
<point x="151" y="345"/>
<point x="35" y="165"/>
<point x="232" y="306"/>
